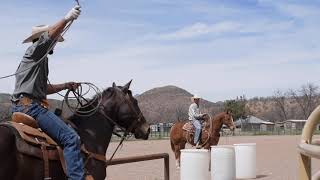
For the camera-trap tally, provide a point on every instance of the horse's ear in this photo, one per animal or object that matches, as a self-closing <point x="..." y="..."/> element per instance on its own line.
<point x="114" y="85"/>
<point x="126" y="87"/>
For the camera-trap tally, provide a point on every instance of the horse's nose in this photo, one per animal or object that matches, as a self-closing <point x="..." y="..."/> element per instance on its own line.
<point x="147" y="134"/>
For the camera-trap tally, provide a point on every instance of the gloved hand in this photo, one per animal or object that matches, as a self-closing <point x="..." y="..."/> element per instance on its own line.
<point x="71" y="85"/>
<point x="73" y="14"/>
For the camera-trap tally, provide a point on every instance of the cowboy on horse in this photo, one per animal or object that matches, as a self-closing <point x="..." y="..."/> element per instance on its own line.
<point x="195" y="116"/>
<point x="31" y="89"/>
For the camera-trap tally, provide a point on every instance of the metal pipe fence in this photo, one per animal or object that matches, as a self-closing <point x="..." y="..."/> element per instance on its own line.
<point x="226" y="132"/>
<point x="164" y="156"/>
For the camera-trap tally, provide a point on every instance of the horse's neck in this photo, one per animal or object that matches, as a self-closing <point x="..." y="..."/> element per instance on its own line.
<point x="95" y="132"/>
<point x="217" y="124"/>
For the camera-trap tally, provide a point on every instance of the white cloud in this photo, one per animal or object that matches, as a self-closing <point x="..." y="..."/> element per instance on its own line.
<point x="225" y="28"/>
<point x="225" y="53"/>
<point x="200" y="28"/>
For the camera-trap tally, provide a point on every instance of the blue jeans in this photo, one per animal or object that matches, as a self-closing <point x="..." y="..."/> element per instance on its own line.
<point x="65" y="136"/>
<point x="197" y="126"/>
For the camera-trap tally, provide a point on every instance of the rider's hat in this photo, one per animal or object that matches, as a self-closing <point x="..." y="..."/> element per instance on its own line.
<point x="196" y="97"/>
<point x="37" y="32"/>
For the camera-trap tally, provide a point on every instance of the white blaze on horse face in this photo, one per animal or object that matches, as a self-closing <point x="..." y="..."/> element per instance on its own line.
<point x="232" y="123"/>
<point x="145" y="128"/>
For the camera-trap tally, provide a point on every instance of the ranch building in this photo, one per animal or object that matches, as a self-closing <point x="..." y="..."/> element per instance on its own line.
<point x="252" y="123"/>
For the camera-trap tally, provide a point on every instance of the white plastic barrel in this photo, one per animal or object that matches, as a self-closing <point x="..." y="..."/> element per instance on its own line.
<point x="245" y="160"/>
<point x="223" y="163"/>
<point x="194" y="164"/>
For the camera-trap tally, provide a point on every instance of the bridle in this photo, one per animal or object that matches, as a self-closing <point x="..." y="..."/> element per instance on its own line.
<point x="125" y="99"/>
<point x="100" y="108"/>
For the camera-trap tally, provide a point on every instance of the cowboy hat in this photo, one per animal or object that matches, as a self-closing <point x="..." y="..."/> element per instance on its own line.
<point x="37" y="31"/>
<point x="196" y="97"/>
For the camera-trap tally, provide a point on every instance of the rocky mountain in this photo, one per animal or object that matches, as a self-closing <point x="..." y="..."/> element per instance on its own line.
<point x="5" y="106"/>
<point x="170" y="103"/>
<point x="163" y="104"/>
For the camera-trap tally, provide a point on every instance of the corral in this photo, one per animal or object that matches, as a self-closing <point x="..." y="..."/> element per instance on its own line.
<point x="276" y="158"/>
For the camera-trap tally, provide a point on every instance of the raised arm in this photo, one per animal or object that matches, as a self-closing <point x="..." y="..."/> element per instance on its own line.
<point x="56" y="29"/>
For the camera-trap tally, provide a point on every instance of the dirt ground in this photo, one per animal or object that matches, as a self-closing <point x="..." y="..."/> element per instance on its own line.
<point x="276" y="158"/>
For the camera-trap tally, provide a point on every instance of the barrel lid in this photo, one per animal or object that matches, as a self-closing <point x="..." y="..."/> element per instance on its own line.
<point x="223" y="146"/>
<point x="194" y="150"/>
<point x="245" y="144"/>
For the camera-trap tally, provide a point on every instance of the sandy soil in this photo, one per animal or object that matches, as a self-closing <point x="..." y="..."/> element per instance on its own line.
<point x="276" y="158"/>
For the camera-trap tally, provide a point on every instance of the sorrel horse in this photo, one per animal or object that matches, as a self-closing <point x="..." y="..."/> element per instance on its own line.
<point x="95" y="131"/>
<point x="210" y="133"/>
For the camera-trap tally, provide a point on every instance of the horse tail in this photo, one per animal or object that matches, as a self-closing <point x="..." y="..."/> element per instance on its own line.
<point x="171" y="134"/>
<point x="172" y="145"/>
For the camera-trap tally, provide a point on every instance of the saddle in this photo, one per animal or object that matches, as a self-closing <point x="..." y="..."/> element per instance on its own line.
<point x="188" y="126"/>
<point x="32" y="141"/>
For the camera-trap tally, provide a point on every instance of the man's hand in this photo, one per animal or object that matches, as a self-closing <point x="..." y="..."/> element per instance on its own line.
<point x="71" y="85"/>
<point x="73" y="14"/>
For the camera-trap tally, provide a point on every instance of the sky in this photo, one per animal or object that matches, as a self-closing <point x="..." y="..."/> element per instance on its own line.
<point x="216" y="49"/>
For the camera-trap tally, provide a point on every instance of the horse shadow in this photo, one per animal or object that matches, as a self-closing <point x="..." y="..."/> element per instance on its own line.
<point x="261" y="176"/>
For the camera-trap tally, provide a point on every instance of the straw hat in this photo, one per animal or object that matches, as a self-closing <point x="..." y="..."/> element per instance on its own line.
<point x="196" y="97"/>
<point x="37" y="32"/>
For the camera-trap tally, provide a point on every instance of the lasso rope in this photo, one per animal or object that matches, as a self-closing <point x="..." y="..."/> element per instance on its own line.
<point x="52" y="45"/>
<point x="82" y="102"/>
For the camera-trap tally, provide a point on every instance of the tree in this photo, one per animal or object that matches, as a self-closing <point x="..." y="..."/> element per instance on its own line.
<point x="237" y="107"/>
<point x="307" y="98"/>
<point x="181" y="113"/>
<point x="280" y="100"/>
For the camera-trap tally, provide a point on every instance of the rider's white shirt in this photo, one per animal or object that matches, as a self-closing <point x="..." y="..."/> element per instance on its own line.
<point x="194" y="112"/>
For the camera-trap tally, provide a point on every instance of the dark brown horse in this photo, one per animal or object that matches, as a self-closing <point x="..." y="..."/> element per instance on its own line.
<point x="210" y="134"/>
<point x="95" y="132"/>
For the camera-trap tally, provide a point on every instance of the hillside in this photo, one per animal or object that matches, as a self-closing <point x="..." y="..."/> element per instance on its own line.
<point x="5" y="106"/>
<point x="170" y="103"/>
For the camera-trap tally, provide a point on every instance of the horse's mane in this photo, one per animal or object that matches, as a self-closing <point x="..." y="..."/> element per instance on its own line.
<point x="217" y="116"/>
<point x="97" y="97"/>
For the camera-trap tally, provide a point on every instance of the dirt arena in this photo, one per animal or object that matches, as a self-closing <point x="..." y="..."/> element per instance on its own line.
<point x="276" y="158"/>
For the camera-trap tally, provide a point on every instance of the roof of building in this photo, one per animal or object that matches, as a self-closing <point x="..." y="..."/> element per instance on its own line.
<point x="252" y="120"/>
<point x="296" y="120"/>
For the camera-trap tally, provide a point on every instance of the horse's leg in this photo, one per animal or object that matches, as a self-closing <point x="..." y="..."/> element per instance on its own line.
<point x="177" y="155"/>
<point x="7" y="154"/>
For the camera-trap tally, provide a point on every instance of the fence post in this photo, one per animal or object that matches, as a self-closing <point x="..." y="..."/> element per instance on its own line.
<point x="166" y="168"/>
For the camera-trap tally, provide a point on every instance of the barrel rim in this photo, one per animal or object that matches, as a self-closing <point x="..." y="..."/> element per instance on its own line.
<point x="246" y="144"/>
